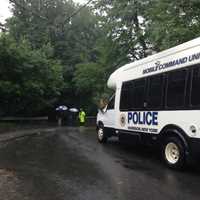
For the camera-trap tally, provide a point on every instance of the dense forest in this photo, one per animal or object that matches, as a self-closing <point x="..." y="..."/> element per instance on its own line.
<point x="55" y="52"/>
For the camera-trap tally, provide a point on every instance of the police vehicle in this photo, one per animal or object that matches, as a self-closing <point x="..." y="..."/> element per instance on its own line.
<point x="157" y="101"/>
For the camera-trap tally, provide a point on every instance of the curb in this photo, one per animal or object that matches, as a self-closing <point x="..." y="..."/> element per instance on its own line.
<point x="9" y="136"/>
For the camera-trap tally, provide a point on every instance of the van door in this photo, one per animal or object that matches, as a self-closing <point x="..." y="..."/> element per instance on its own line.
<point x="110" y="114"/>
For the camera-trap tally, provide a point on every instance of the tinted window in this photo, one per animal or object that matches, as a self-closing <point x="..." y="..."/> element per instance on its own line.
<point x="195" y="93"/>
<point x="138" y="93"/>
<point x="111" y="103"/>
<point x="126" y="96"/>
<point x="155" y="92"/>
<point x="176" y="89"/>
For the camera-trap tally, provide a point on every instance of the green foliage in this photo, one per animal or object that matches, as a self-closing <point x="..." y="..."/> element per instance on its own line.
<point x="172" y="22"/>
<point x="88" y="77"/>
<point x="88" y="82"/>
<point x="125" y="23"/>
<point x="73" y="40"/>
<point x="89" y="47"/>
<point x="29" y="79"/>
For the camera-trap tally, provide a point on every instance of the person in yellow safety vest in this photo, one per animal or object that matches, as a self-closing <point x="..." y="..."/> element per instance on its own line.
<point x="82" y="117"/>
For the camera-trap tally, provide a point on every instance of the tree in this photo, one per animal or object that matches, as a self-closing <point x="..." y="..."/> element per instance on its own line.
<point x="73" y="39"/>
<point x="30" y="80"/>
<point x="172" y="22"/>
<point x="99" y="39"/>
<point x="126" y="22"/>
<point x="39" y="21"/>
<point x="90" y="78"/>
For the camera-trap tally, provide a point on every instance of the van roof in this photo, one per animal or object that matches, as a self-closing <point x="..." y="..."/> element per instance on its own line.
<point x="118" y="74"/>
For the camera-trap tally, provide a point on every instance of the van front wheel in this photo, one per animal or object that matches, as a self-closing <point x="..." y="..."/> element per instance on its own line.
<point x="101" y="136"/>
<point x="174" y="152"/>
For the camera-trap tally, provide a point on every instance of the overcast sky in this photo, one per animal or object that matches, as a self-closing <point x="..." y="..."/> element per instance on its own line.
<point x="5" y="12"/>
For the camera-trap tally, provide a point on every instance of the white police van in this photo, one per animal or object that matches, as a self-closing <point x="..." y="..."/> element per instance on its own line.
<point x="157" y="101"/>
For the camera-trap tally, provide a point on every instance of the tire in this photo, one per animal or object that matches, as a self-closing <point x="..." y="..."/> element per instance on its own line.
<point x="101" y="136"/>
<point x="173" y="152"/>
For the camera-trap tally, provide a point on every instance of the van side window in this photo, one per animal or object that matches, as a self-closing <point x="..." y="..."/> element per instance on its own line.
<point x="155" y="92"/>
<point x="126" y="96"/>
<point x="138" y="93"/>
<point x="132" y="95"/>
<point x="195" y="94"/>
<point x="111" y="103"/>
<point x="176" y="89"/>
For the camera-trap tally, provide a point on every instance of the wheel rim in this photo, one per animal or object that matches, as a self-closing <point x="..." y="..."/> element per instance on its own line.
<point x="100" y="134"/>
<point x="172" y="153"/>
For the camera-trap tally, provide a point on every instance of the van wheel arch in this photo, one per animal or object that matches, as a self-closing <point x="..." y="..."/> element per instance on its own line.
<point x="100" y="124"/>
<point x="101" y="135"/>
<point x="174" y="136"/>
<point x="176" y="131"/>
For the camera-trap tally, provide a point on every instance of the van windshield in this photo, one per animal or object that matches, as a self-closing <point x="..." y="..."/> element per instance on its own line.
<point x="111" y="103"/>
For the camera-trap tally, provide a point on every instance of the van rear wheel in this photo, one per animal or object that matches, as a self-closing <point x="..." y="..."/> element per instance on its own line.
<point x="174" y="152"/>
<point x="101" y="136"/>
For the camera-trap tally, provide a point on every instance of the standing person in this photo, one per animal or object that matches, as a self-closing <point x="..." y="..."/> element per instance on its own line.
<point x="82" y="117"/>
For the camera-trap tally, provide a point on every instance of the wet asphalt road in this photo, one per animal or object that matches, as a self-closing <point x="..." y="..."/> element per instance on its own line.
<point x="70" y="164"/>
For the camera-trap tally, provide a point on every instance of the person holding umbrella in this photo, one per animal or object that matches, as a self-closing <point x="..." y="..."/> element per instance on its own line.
<point x="73" y="113"/>
<point x="82" y="117"/>
<point x="60" y="114"/>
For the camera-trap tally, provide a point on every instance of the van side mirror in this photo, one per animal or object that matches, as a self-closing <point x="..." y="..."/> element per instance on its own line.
<point x="103" y="110"/>
<point x="103" y="105"/>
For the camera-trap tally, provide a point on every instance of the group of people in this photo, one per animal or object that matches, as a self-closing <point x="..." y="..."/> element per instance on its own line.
<point x="71" y="118"/>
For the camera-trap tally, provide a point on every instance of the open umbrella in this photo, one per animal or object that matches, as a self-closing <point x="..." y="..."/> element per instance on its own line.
<point x="75" y="110"/>
<point x="62" y="108"/>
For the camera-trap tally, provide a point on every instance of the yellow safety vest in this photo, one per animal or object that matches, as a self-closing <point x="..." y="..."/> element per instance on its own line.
<point x="82" y="116"/>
